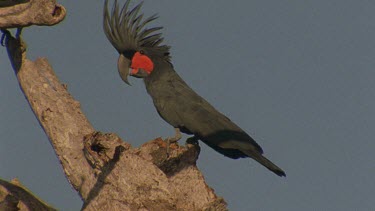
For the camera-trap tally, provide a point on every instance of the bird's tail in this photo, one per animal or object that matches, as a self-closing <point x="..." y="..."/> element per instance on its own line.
<point x="267" y="163"/>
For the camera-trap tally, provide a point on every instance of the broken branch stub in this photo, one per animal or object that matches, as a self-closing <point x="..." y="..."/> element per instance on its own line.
<point x="23" y="13"/>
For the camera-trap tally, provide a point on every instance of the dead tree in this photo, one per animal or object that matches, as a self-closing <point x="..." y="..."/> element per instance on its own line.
<point x="107" y="172"/>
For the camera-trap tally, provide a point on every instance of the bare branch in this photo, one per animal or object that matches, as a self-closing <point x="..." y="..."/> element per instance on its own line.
<point x="58" y="113"/>
<point x="22" y="13"/>
<point x="14" y="196"/>
<point x="108" y="173"/>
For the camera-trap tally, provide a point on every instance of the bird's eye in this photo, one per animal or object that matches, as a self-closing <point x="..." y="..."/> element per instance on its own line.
<point x="141" y="52"/>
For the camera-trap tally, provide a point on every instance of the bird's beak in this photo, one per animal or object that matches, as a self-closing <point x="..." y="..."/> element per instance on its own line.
<point x="123" y="65"/>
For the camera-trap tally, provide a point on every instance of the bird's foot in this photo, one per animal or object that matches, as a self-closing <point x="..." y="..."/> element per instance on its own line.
<point x="171" y="140"/>
<point x="192" y="140"/>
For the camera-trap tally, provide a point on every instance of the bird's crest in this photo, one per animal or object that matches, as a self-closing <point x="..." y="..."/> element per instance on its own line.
<point x="126" y="30"/>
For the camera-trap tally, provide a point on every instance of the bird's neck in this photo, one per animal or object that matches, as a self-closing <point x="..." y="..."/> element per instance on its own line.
<point x="163" y="70"/>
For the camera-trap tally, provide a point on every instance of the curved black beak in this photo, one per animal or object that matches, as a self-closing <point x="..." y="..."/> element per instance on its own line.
<point x="123" y="65"/>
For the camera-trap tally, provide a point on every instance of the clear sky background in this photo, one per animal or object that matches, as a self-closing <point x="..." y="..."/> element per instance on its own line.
<point x="298" y="76"/>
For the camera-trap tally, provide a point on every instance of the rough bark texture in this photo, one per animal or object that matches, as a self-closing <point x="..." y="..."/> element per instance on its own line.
<point x="14" y="196"/>
<point x="108" y="173"/>
<point x="21" y="13"/>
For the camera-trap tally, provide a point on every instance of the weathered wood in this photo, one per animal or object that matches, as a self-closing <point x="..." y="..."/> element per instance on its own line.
<point x="14" y="196"/>
<point x="108" y="173"/>
<point x="22" y="13"/>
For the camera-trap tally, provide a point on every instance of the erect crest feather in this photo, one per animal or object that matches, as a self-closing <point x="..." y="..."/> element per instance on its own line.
<point x="126" y="30"/>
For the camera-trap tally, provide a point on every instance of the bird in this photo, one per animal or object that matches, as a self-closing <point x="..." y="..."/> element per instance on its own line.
<point x="143" y="55"/>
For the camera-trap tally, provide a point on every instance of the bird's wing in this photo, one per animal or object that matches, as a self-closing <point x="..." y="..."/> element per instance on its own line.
<point x="199" y="117"/>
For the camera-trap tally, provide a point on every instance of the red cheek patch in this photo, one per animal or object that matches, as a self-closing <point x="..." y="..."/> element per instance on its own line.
<point x="141" y="61"/>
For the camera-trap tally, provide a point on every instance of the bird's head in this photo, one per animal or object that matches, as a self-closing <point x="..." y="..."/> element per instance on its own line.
<point x="139" y="47"/>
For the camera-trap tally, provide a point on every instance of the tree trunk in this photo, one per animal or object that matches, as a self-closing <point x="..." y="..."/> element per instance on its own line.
<point x="107" y="172"/>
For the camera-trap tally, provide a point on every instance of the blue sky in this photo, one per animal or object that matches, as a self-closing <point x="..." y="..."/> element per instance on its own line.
<point x="296" y="75"/>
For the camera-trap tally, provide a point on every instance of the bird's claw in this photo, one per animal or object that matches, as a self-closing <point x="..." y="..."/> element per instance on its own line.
<point x="171" y="140"/>
<point x="168" y="140"/>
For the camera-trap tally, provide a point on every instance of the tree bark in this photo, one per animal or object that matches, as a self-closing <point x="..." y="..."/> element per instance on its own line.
<point x="21" y="13"/>
<point x="107" y="172"/>
<point x="13" y="196"/>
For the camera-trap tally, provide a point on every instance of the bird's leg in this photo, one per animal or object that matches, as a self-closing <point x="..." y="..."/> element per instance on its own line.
<point x="18" y="33"/>
<point x="174" y="139"/>
<point x="192" y="140"/>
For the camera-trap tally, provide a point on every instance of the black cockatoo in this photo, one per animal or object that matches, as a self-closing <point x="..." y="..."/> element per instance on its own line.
<point x="142" y="55"/>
